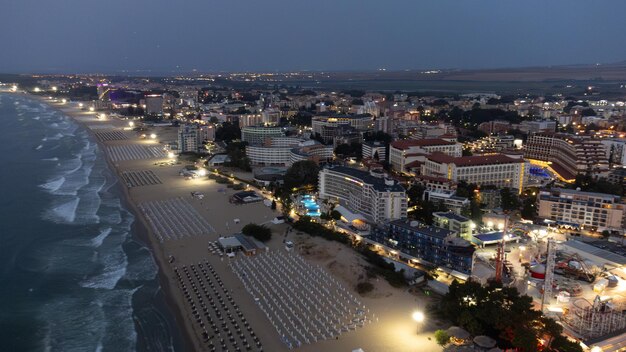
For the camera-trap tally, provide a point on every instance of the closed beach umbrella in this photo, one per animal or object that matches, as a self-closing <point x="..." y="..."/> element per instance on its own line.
<point x="458" y="333"/>
<point x="484" y="341"/>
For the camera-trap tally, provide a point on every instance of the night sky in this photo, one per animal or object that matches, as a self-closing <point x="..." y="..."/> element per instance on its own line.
<point x="235" y="35"/>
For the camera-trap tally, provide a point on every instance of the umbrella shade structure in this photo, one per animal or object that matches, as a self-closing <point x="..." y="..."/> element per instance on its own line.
<point x="484" y="341"/>
<point x="495" y="349"/>
<point x="458" y="333"/>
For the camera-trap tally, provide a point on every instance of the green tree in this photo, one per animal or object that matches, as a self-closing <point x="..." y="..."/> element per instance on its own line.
<point x="335" y="215"/>
<point x="302" y="174"/>
<point x="509" y="199"/>
<point x="273" y="204"/>
<point x="260" y="232"/>
<point x="442" y="337"/>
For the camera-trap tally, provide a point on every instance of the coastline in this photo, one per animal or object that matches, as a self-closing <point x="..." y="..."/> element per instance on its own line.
<point x="141" y="230"/>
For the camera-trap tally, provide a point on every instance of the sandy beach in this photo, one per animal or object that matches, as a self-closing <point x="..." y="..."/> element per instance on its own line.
<point x="391" y="329"/>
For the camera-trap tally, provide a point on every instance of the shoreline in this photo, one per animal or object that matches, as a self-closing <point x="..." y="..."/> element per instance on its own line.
<point x="141" y="230"/>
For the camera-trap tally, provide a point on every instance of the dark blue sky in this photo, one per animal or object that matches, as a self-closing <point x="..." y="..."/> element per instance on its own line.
<point x="238" y="35"/>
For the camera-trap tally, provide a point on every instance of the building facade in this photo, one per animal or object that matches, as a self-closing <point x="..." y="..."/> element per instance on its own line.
<point x="256" y="135"/>
<point x="567" y="155"/>
<point x="427" y="245"/>
<point x="456" y="223"/>
<point x="370" y="194"/>
<point x="595" y="210"/>
<point x="494" y="169"/>
<point x="404" y="152"/>
<point x="192" y="136"/>
<point x="374" y="150"/>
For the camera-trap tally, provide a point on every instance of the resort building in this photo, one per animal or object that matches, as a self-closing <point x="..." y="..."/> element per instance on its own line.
<point x="326" y="125"/>
<point x="456" y="223"/>
<point x="192" y="136"/>
<point x="448" y="199"/>
<point x="598" y="211"/>
<point x="374" y="150"/>
<point x="404" y="152"/>
<point x="426" y="245"/>
<point x="370" y="194"/>
<point x="493" y="169"/>
<point x="284" y="151"/>
<point x="567" y="155"/>
<point x="154" y="104"/>
<point x="256" y="135"/>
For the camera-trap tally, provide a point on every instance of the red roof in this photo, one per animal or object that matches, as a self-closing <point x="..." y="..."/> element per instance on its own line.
<point x="491" y="159"/>
<point x="408" y="143"/>
<point x="433" y="179"/>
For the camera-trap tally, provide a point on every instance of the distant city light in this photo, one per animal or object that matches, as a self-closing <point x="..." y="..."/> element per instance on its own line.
<point x="37" y="90"/>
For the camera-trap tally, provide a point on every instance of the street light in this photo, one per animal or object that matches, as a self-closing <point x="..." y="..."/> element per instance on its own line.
<point x="419" y="319"/>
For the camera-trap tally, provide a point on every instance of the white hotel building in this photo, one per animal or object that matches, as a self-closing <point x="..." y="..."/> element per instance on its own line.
<point x="494" y="169"/>
<point x="284" y="151"/>
<point x="369" y="194"/>
<point x="406" y="151"/>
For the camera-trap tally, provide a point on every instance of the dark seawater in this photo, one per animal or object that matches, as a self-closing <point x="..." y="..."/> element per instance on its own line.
<point x="73" y="277"/>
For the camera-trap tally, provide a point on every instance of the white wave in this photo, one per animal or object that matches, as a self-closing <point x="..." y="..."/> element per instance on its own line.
<point x="53" y="185"/>
<point x="115" y="264"/>
<point x="44" y="139"/>
<point x="51" y="159"/>
<point x="39" y="147"/>
<point x="64" y="213"/>
<point x="97" y="241"/>
<point x="36" y="117"/>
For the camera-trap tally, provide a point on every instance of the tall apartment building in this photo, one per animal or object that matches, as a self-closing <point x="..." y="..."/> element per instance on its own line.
<point x="154" y="104"/>
<point x="494" y="169"/>
<point x="191" y="136"/>
<point x="256" y="135"/>
<point x="370" y="194"/>
<point x="407" y="151"/>
<point x="567" y="154"/>
<point x="597" y="210"/>
<point x="426" y="245"/>
<point x="374" y="150"/>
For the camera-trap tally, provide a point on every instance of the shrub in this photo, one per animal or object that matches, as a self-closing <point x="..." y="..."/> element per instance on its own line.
<point x="364" y="287"/>
<point x="442" y="337"/>
<point x="260" y="232"/>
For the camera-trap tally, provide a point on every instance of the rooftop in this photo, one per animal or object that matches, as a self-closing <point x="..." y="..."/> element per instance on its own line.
<point x="491" y="159"/>
<point x="451" y="216"/>
<point x="379" y="183"/>
<point x="408" y="143"/>
<point x="422" y="228"/>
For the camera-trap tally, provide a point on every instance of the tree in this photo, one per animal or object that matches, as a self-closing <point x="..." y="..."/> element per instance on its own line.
<point x="273" y="204"/>
<point x="509" y="199"/>
<point x="228" y="132"/>
<point x="442" y="337"/>
<point x="302" y="174"/>
<point x="260" y="232"/>
<point x="335" y="215"/>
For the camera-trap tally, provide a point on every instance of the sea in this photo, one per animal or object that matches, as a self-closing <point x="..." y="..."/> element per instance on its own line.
<point x="73" y="274"/>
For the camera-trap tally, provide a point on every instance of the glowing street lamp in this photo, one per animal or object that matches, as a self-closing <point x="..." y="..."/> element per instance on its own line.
<point x="419" y="318"/>
<point x="131" y="124"/>
<point x="153" y="136"/>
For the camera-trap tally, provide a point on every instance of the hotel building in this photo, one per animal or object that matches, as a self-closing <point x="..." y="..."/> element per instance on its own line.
<point x="326" y="125"/>
<point x="494" y="169"/>
<point x="370" y="194"/>
<point x="371" y="149"/>
<point x="191" y="136"/>
<point x="256" y="135"/>
<point x="426" y="245"/>
<point x="284" y="151"/>
<point x="404" y="152"/>
<point x="456" y="223"/>
<point x="567" y="155"/>
<point x="597" y="210"/>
